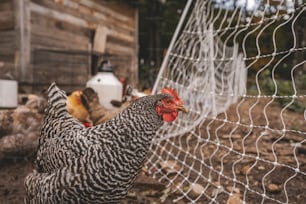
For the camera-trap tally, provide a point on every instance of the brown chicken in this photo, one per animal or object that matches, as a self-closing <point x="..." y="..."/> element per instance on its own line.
<point x="76" y="108"/>
<point x="98" y="113"/>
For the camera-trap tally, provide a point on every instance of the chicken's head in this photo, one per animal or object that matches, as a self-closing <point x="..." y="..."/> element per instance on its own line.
<point x="168" y="108"/>
<point x="76" y="96"/>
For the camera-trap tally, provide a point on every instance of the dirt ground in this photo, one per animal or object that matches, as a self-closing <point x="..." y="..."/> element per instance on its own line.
<point x="12" y="174"/>
<point x="13" y="171"/>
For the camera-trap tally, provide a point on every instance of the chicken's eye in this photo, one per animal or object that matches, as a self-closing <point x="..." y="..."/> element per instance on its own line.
<point x="168" y="102"/>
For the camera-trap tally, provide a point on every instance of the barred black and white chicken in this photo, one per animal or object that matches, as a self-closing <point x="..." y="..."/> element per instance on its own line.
<point x="97" y="164"/>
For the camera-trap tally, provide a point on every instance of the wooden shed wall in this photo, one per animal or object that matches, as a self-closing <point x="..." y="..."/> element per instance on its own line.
<point x="7" y="39"/>
<point x="60" y="36"/>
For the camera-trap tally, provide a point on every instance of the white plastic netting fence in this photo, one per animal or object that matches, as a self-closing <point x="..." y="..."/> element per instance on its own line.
<point x="240" y="68"/>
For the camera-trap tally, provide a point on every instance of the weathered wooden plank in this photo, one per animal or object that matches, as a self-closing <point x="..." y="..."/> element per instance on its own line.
<point x="60" y="76"/>
<point x="23" y="39"/>
<point x="103" y="7"/>
<point x="7" y="35"/>
<point x="7" y="49"/>
<point x="70" y="69"/>
<point x="125" y="37"/>
<point x="6" y="5"/>
<point x="47" y="21"/>
<point x="113" y="39"/>
<point x="68" y="10"/>
<point x="7" y="58"/>
<point x="92" y="8"/>
<point x="65" y="16"/>
<point x="59" y="15"/>
<point x="7" y="53"/>
<point x="134" y="65"/>
<point x="118" y="30"/>
<point x="53" y="58"/>
<point x="68" y="65"/>
<point x="6" y="66"/>
<point x="5" y="1"/>
<point x="6" y="14"/>
<point x="7" y="20"/>
<point x="115" y="48"/>
<point x="61" y="69"/>
<point x="61" y="35"/>
<point x="48" y="36"/>
<point x="7" y="45"/>
<point x="43" y="42"/>
<point x="108" y="20"/>
<point x="99" y="42"/>
<point x="65" y="69"/>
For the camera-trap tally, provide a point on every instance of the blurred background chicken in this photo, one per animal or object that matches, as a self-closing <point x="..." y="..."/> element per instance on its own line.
<point x="98" y="113"/>
<point x="76" y="109"/>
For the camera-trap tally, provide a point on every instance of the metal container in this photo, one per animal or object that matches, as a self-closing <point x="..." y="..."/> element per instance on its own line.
<point x="106" y="84"/>
<point x="8" y="93"/>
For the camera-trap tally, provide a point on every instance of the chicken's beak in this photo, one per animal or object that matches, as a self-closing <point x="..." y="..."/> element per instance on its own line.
<point x="182" y="108"/>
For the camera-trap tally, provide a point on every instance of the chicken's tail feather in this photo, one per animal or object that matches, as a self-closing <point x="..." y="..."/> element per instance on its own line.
<point x="56" y="101"/>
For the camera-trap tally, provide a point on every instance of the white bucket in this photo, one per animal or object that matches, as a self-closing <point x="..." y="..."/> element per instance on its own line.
<point x="8" y="93"/>
<point x="107" y="86"/>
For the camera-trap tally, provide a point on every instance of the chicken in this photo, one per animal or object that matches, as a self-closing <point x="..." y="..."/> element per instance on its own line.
<point x="76" y="108"/>
<point x="96" y="164"/>
<point x="98" y="113"/>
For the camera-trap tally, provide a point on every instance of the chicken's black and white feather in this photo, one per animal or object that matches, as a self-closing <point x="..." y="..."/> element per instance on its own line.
<point x="91" y="165"/>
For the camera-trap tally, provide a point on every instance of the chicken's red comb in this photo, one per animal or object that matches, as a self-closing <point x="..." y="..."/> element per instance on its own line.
<point x="170" y="91"/>
<point x="173" y="93"/>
